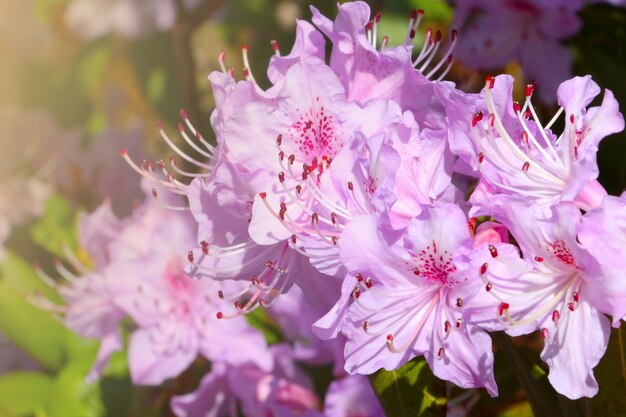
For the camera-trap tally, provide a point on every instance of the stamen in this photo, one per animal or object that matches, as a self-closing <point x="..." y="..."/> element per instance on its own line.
<point x="246" y="64"/>
<point x="220" y="59"/>
<point x="275" y="47"/>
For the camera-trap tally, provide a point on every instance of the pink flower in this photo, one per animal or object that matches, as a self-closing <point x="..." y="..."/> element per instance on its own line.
<point x="90" y="309"/>
<point x="388" y="73"/>
<point x="282" y="392"/>
<point x="565" y="289"/>
<point x="516" y="155"/>
<point x="413" y="296"/>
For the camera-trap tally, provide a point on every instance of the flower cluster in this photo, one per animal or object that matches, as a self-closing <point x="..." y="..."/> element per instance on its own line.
<point x="372" y="209"/>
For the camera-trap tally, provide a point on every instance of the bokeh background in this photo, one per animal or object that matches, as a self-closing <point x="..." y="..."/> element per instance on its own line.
<point x="82" y="79"/>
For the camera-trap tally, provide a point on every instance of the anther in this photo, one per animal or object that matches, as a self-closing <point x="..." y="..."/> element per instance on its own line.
<point x="517" y="107"/>
<point x="544" y="333"/>
<point x="220" y="294"/>
<point x="555" y="316"/>
<point x="571" y="306"/>
<point x="220" y="315"/>
<point x="477" y="118"/>
<point x="481" y="157"/>
<point x="293" y="239"/>
<point x="575" y="296"/>
<point x="333" y="217"/>
<point x="525" y="166"/>
<point x="441" y="351"/>
<point x="389" y="339"/>
<point x="356" y="292"/>
<point x="190" y="256"/>
<point x="350" y="186"/>
<point x="447" y="327"/>
<point x="459" y="302"/>
<point x="488" y="287"/>
<point x="263" y="195"/>
<point x="493" y="251"/>
<point x="490" y="81"/>
<point x="366" y="325"/>
<point x="483" y="268"/>
<point x="538" y="259"/>
<point x="281" y="177"/>
<point x="314" y="218"/>
<point x="459" y="322"/>
<point x="368" y="282"/>
<point x="502" y="308"/>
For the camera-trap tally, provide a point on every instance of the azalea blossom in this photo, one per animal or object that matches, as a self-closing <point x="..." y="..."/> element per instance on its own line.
<point x="516" y="155"/>
<point x="368" y="71"/>
<point x="284" y="391"/>
<point x="416" y="285"/>
<point x="565" y="289"/>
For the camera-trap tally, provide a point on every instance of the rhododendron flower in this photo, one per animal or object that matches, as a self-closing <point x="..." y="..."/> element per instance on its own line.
<point x="564" y="291"/>
<point x="175" y="315"/>
<point x="90" y="308"/>
<point x="283" y="392"/>
<point x="515" y="154"/>
<point x="413" y="298"/>
<point x="493" y="33"/>
<point x="389" y="73"/>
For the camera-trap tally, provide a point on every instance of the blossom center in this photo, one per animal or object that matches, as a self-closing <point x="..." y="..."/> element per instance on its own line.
<point x="435" y="265"/>
<point x="315" y="135"/>
<point x="561" y="252"/>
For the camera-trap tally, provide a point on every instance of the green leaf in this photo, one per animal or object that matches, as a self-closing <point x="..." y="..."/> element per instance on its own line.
<point x="259" y="319"/>
<point x="57" y="227"/>
<point x="411" y="391"/>
<point x="611" y="376"/>
<point x="22" y="278"/>
<point x="74" y="396"/>
<point x="30" y="328"/>
<point x="22" y="393"/>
